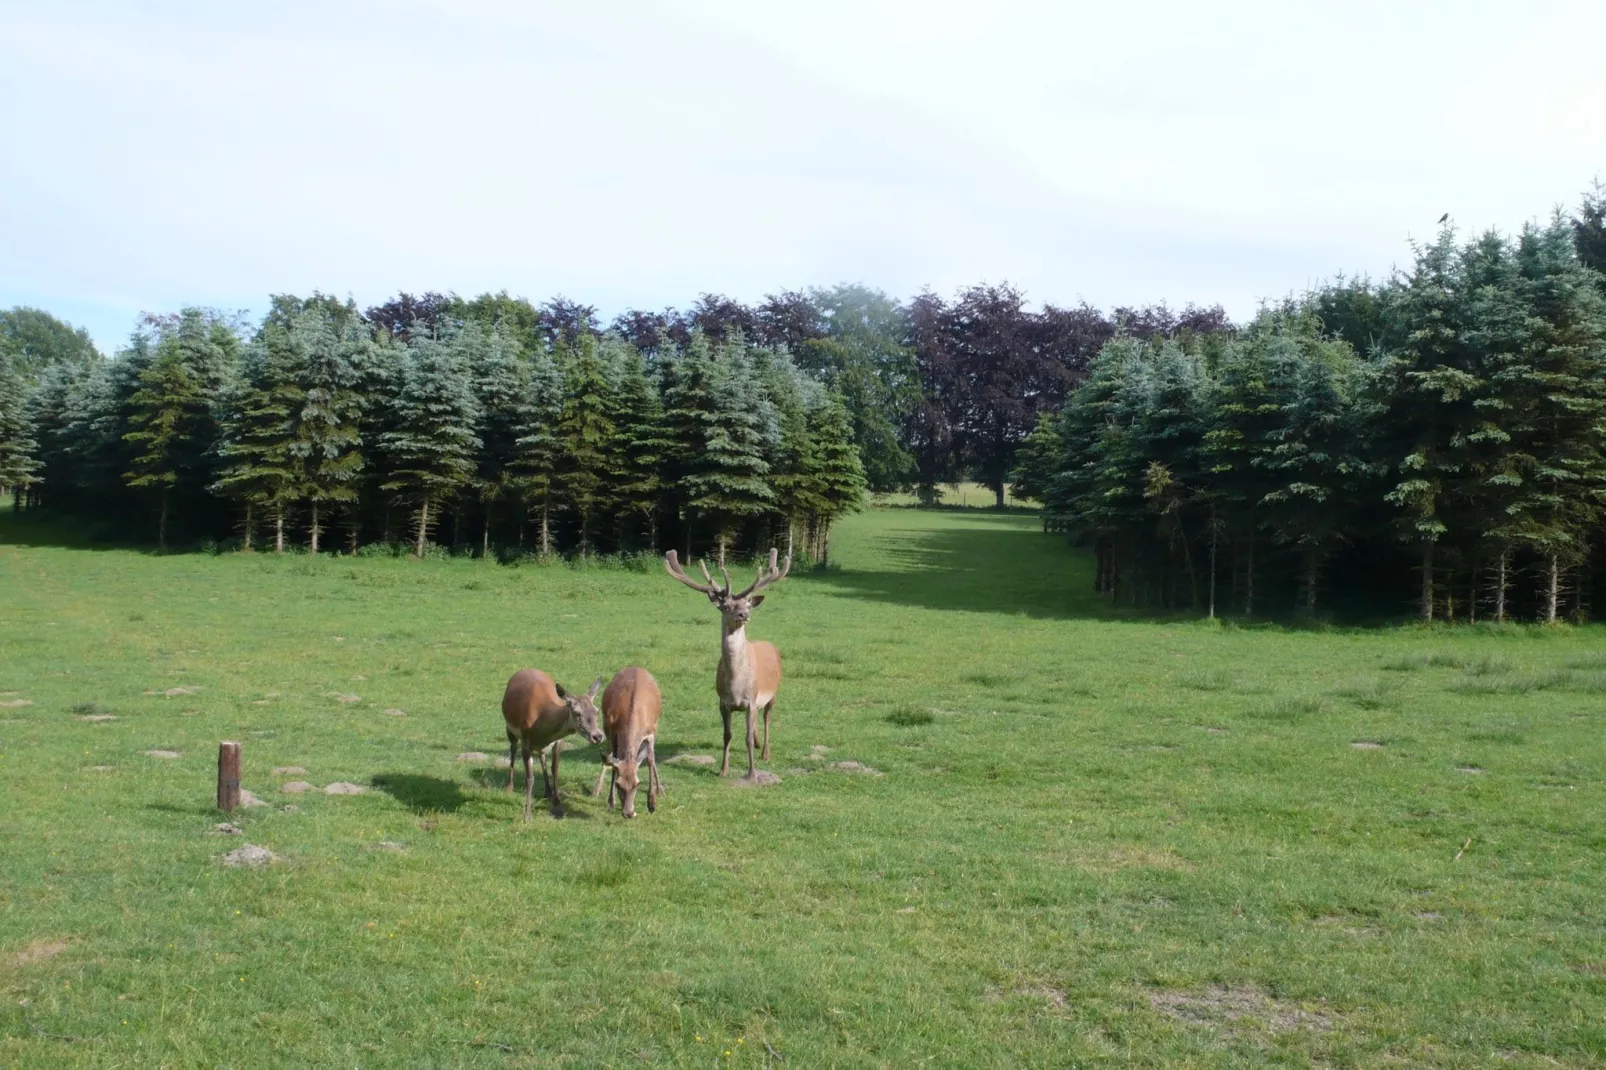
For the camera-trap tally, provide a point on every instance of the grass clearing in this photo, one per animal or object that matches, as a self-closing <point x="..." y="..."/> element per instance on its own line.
<point x="1334" y="852"/>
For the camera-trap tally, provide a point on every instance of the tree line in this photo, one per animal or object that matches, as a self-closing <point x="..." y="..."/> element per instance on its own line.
<point x="1442" y="433"/>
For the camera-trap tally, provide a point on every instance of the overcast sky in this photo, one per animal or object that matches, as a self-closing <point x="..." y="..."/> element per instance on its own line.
<point x="639" y="153"/>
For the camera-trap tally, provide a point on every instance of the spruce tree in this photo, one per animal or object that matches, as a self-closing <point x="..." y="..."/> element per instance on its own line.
<point x="168" y="417"/>
<point x="835" y="469"/>
<point x="1246" y="412"/>
<point x="327" y="427"/>
<point x="19" y="461"/>
<point x="262" y="467"/>
<point x="535" y="457"/>
<point x="502" y="390"/>
<point x="642" y="446"/>
<point x="585" y="436"/>
<point x="431" y="446"/>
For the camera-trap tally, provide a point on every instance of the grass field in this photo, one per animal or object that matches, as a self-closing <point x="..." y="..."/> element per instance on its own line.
<point x="1092" y="839"/>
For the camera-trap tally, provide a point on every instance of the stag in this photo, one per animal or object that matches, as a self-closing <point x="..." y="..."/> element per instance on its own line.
<point x="749" y="672"/>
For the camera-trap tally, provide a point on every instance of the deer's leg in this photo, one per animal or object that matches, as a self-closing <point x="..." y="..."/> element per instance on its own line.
<point x="725" y="762"/>
<point x="653" y="788"/>
<point x="752" y="737"/>
<point x="601" y="779"/>
<point x="652" y="766"/>
<point x="767" y="707"/>
<point x="557" y="748"/>
<point x="513" y="760"/>
<point x="546" y="784"/>
<point x="529" y="782"/>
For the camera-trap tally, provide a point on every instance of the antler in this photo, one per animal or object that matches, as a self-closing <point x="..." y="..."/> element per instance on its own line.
<point x="769" y="574"/>
<point x="672" y="566"/>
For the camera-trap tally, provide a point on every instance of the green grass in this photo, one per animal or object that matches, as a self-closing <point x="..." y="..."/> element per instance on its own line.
<point x="1095" y="840"/>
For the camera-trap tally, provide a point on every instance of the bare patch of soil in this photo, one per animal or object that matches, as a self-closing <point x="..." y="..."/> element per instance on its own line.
<point x="473" y="756"/>
<point x="343" y="787"/>
<point x="295" y="787"/>
<point x="288" y="770"/>
<point x="1474" y="770"/>
<point x="98" y="718"/>
<point x="1054" y="997"/>
<point x="38" y="951"/>
<point x="1367" y="744"/>
<point x="760" y="779"/>
<point x="15" y="703"/>
<point x="226" y="829"/>
<point x="394" y="712"/>
<point x="1148" y="858"/>
<point x="249" y="799"/>
<point x="690" y="759"/>
<point x="1228" y="1007"/>
<point x="856" y="767"/>
<point x="164" y="754"/>
<point x="344" y="699"/>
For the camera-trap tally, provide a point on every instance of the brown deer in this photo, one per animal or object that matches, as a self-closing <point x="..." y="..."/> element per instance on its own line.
<point x="749" y="673"/>
<point x="539" y="713"/>
<point x="630" y="708"/>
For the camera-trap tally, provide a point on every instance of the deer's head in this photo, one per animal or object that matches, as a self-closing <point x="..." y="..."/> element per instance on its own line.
<point x="582" y="710"/>
<point x="735" y="608"/>
<point x="627" y="777"/>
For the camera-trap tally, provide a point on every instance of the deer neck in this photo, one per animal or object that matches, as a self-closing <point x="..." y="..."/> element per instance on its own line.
<point x="734" y="644"/>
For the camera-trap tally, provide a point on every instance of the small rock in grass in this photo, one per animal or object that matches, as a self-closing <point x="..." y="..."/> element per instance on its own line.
<point x="760" y="779"/>
<point x="290" y="808"/>
<point x="295" y="787"/>
<point x="344" y="698"/>
<point x="98" y="718"/>
<point x="1367" y="744"/>
<point x="227" y="829"/>
<point x="15" y="703"/>
<point x="690" y="759"/>
<point x="164" y="754"/>
<point x="473" y="756"/>
<point x="249" y="799"/>
<point x="343" y="787"/>
<point x="250" y="855"/>
<point x="856" y="767"/>
<point x="394" y="712"/>
<point x="288" y="770"/>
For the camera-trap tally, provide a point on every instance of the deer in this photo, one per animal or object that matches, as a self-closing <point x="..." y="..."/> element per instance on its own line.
<point x="539" y="713"/>
<point x="749" y="673"/>
<point x="630" y="708"/>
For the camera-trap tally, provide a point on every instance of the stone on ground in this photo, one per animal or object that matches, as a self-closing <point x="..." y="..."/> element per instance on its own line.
<point x="250" y="855"/>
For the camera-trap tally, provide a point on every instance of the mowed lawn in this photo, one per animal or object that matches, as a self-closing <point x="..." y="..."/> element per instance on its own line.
<point x="1086" y="839"/>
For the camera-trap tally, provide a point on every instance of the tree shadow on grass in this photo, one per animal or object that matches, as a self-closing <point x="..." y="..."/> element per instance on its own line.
<point x="422" y="794"/>
<point x="980" y="563"/>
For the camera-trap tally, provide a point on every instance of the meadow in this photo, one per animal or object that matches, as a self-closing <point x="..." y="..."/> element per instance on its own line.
<point x="1014" y="826"/>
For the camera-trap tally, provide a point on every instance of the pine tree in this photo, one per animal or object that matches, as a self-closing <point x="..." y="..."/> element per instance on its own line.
<point x="585" y="436"/>
<point x="262" y="467"/>
<point x="327" y="428"/>
<point x="168" y="417"/>
<point x="1246" y="413"/>
<point x="431" y="446"/>
<point x="835" y="470"/>
<point x="19" y="461"/>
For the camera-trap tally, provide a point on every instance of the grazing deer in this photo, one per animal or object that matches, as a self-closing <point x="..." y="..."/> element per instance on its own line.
<point x="630" y="708"/>
<point x="749" y="673"/>
<point x="539" y="712"/>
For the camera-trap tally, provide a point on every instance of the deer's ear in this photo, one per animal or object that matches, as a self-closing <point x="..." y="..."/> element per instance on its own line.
<point x="756" y="601"/>
<point x="596" y="685"/>
<point x="563" y="692"/>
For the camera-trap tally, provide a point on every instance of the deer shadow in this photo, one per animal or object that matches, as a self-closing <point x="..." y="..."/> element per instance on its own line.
<point x="422" y="794"/>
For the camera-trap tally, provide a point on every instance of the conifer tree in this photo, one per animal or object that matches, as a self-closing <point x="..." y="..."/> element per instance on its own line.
<point x="327" y="428"/>
<point x="431" y="446"/>
<point x="835" y="470"/>
<point x="1246" y="413"/>
<point x="168" y="415"/>
<point x="535" y="458"/>
<point x="19" y="462"/>
<point x="585" y="435"/>
<point x="641" y="448"/>
<point x="502" y="391"/>
<point x="262" y="467"/>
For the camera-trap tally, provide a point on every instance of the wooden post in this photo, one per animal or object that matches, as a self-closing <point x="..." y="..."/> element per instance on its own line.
<point x="228" y="776"/>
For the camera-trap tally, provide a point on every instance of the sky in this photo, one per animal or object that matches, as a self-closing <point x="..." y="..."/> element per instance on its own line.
<point x="637" y="154"/>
